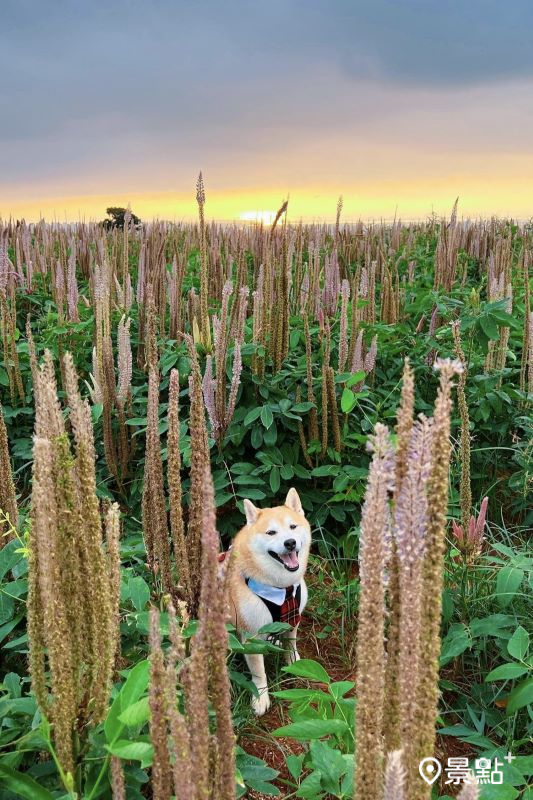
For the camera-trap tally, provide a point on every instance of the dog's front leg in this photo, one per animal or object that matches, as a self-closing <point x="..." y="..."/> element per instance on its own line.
<point x="291" y="653"/>
<point x="256" y="665"/>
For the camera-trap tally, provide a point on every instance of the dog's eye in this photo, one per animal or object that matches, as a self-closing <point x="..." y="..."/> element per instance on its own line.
<point x="271" y="533"/>
<point x="292" y="527"/>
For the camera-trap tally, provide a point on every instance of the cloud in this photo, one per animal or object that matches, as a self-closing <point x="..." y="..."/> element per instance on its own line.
<point x="142" y="92"/>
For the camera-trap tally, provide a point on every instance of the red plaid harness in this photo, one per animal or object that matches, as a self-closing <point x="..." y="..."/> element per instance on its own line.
<point x="289" y="610"/>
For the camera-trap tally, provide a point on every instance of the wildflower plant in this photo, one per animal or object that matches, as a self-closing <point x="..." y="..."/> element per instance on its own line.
<point x="401" y="564"/>
<point x="73" y="584"/>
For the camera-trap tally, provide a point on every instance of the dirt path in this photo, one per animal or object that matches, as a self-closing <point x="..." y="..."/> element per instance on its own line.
<point x="257" y="738"/>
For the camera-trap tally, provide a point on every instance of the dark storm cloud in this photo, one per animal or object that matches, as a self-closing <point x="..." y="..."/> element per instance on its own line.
<point x="82" y="81"/>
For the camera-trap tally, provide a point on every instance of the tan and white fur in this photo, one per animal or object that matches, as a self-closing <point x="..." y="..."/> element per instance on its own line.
<point x="272" y="548"/>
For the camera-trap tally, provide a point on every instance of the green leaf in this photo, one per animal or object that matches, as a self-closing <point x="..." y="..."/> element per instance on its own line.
<point x="287" y="472"/>
<point x="275" y="627"/>
<point x="222" y="498"/>
<point x="267" y="417"/>
<point x="310" y="787"/>
<point x="294" y="338"/>
<point x="136" y="751"/>
<point x="22" y="785"/>
<point x="456" y="642"/>
<point x="264" y="788"/>
<point x="302" y="695"/>
<point x="357" y="377"/>
<point x="340" y="688"/>
<point x="257" y="437"/>
<point x="493" y="625"/>
<point x="259" y="646"/>
<point x="20" y="705"/>
<point x="12" y="682"/>
<point x="518" y="644"/>
<point x="348" y="400"/>
<point x="301" y="408"/>
<point x="294" y="764"/>
<point x="306" y="668"/>
<point x="251" y="494"/>
<point x="252" y="416"/>
<point x="507" y="584"/>
<point x="330" y="763"/>
<point x="313" y="728"/>
<point x="522" y="695"/>
<point x="270" y="436"/>
<point x="15" y="644"/>
<point x="325" y="470"/>
<point x="234" y="644"/>
<point x="139" y="592"/>
<point x="494" y="791"/>
<point x="347" y="781"/>
<point x="489" y="327"/>
<point x="241" y="468"/>
<point x="96" y="412"/>
<point x="7" y="607"/>
<point x="132" y="690"/>
<point x="9" y="556"/>
<point x="241" y="680"/>
<point x="447" y="605"/>
<point x="505" y="319"/>
<point x="6" y="629"/>
<point x="506" y="672"/>
<point x="136" y="714"/>
<point x="248" y="480"/>
<point x="275" y="479"/>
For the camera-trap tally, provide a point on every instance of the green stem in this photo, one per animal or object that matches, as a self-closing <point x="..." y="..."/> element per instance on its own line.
<point x="71" y="793"/>
<point x="99" y="778"/>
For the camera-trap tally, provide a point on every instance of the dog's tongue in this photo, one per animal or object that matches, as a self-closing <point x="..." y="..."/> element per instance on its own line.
<point x="290" y="559"/>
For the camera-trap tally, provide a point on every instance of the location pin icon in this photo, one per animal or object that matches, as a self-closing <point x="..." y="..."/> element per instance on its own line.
<point x="430" y="769"/>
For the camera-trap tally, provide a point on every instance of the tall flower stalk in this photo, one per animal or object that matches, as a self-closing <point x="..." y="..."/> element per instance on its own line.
<point x="8" y="497"/>
<point x="177" y="526"/>
<point x="153" y="506"/>
<point x="219" y="409"/>
<point x="404" y="428"/>
<point x="205" y="330"/>
<point x="401" y="566"/>
<point x="375" y="525"/>
<point x="465" y="491"/>
<point x="432" y="574"/>
<point x="190" y="761"/>
<point x="73" y="584"/>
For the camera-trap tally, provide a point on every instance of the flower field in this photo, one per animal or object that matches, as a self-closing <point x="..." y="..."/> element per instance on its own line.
<point x="152" y="378"/>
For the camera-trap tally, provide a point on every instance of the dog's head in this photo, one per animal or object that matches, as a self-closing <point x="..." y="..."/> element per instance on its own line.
<point x="274" y="544"/>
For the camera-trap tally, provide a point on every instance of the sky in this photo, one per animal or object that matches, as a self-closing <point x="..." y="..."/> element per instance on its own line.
<point x="398" y="105"/>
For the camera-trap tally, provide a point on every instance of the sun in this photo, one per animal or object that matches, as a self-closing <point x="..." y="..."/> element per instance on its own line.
<point x="266" y="217"/>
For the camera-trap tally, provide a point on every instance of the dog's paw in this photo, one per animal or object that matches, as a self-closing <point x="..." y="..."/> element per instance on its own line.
<point x="291" y="655"/>
<point x="261" y="704"/>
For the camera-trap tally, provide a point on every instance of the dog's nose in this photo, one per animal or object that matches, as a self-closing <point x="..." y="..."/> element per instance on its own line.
<point x="290" y="544"/>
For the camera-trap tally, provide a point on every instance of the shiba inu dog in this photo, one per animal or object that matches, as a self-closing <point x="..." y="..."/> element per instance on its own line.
<point x="266" y="579"/>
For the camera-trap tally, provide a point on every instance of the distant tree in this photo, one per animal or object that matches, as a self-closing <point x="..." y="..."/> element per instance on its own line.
<point x="116" y="216"/>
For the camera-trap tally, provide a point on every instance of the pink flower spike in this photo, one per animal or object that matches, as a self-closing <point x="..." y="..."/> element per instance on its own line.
<point x="480" y="523"/>
<point x="458" y="532"/>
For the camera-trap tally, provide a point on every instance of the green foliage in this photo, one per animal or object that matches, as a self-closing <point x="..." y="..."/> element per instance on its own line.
<point x="116" y="217"/>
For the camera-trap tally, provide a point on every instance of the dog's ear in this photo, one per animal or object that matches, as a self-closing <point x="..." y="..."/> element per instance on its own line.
<point x="293" y="501"/>
<point x="251" y="512"/>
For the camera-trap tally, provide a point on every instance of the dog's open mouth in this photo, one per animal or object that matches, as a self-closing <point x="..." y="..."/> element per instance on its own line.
<point x="289" y="560"/>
